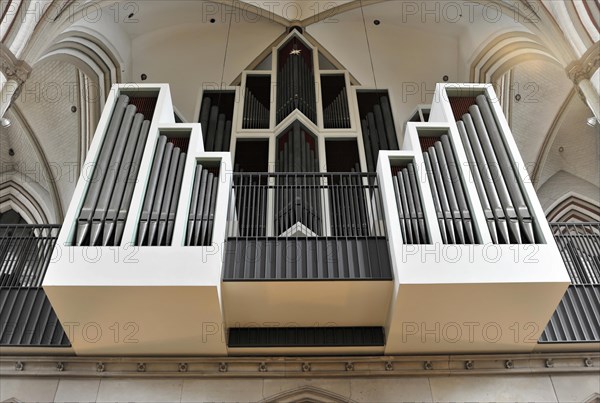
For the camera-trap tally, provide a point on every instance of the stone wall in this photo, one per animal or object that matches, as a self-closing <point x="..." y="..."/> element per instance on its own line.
<point x="479" y="388"/>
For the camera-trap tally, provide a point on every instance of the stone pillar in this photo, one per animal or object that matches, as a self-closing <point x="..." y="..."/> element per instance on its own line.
<point x="14" y="73"/>
<point x="581" y="72"/>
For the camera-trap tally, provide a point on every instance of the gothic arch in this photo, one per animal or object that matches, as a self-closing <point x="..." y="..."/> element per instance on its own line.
<point x="573" y="207"/>
<point x="14" y="196"/>
<point x="307" y="394"/>
<point x="595" y="398"/>
<point x="505" y="51"/>
<point x="43" y="158"/>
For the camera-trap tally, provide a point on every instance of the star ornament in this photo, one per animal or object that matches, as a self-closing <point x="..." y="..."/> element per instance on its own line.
<point x="296" y="52"/>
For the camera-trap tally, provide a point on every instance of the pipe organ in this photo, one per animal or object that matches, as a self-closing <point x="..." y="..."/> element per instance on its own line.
<point x="216" y="120"/>
<point x="203" y="206"/>
<point x="410" y="209"/>
<point x="508" y="216"/>
<point x="377" y="124"/>
<point x="336" y="113"/>
<point x="296" y="81"/>
<point x="257" y="113"/>
<point x="106" y="204"/>
<point x="160" y="203"/>
<point x="298" y="200"/>
<point x="446" y="212"/>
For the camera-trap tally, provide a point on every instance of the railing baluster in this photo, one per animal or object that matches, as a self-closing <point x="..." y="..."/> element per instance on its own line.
<point x="579" y="245"/>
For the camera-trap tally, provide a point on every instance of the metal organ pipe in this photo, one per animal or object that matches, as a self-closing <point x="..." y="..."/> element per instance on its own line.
<point x="131" y="181"/>
<point x="212" y="127"/>
<point x="418" y="205"/>
<point x="436" y="197"/>
<point x="386" y="109"/>
<point x="450" y="193"/>
<point x="106" y="204"/>
<point x="459" y="190"/>
<point x="93" y="193"/>
<point x="512" y="182"/>
<point x="199" y="203"/>
<point x="296" y="198"/>
<point x="377" y="125"/>
<point x="380" y="127"/>
<point x="480" y="136"/>
<point x="487" y="193"/>
<point x="175" y="200"/>
<point x="367" y="142"/>
<point x="216" y="127"/>
<point x="110" y="177"/>
<point x="160" y="191"/>
<point x="165" y="206"/>
<point x="205" y="114"/>
<point x="442" y="193"/>
<point x="295" y="85"/>
<point x="202" y="207"/>
<point x="193" y="205"/>
<point x="121" y="182"/>
<point x="162" y="195"/>
<point x="220" y="132"/>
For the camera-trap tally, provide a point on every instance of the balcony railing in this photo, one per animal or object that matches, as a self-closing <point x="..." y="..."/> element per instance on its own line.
<point x="26" y="317"/>
<point x="305" y="204"/>
<point x="294" y="226"/>
<point x="265" y="204"/>
<point x="579" y="245"/>
<point x="25" y="251"/>
<point x="576" y="317"/>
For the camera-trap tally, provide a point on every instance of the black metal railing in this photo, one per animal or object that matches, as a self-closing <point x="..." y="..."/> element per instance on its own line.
<point x="579" y="245"/>
<point x="25" y="251"/>
<point x="306" y="226"/>
<point x="26" y="316"/>
<point x="305" y="204"/>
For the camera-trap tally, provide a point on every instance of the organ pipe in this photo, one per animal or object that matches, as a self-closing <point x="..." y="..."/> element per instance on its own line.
<point x="157" y="218"/>
<point x="297" y="197"/>
<point x="507" y="213"/>
<point x="106" y="203"/>
<point x="216" y="124"/>
<point x="202" y="207"/>
<point x="377" y="125"/>
<point x="295" y="81"/>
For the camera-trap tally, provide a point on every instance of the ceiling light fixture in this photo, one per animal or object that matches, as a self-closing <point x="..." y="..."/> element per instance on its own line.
<point x="4" y="122"/>
<point x="592" y="121"/>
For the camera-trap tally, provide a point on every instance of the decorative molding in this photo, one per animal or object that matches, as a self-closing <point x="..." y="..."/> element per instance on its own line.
<point x="307" y="394"/>
<point x="585" y="67"/>
<point x="13" y="68"/>
<point x="573" y="206"/>
<point x="277" y="367"/>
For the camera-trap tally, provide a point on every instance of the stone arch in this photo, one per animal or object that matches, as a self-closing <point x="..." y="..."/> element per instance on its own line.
<point x="307" y="394"/>
<point x="25" y="199"/>
<point x="502" y="52"/>
<point x="595" y="398"/>
<point x="573" y="207"/>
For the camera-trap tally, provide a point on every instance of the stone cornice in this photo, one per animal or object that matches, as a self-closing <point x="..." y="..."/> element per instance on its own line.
<point x="11" y="67"/>
<point x="278" y="367"/>
<point x="586" y="66"/>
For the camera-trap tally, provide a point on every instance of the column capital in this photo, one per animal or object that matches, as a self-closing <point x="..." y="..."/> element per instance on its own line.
<point x="13" y="68"/>
<point x="586" y="66"/>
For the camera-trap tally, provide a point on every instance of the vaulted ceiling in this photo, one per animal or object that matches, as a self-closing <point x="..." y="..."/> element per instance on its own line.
<point x="78" y="49"/>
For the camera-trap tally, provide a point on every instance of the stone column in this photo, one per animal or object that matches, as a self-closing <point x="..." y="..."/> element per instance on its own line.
<point x="581" y="72"/>
<point x="14" y="73"/>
